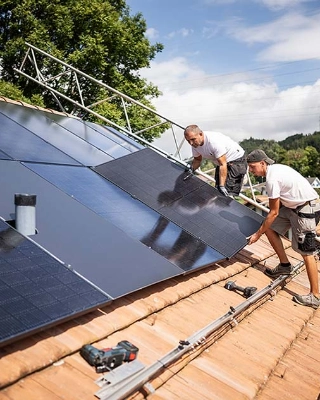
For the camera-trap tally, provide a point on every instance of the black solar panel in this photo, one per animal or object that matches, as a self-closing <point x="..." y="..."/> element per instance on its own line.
<point x="21" y="144"/>
<point x="36" y="290"/>
<point x="72" y="136"/>
<point x="110" y="141"/>
<point x="4" y="156"/>
<point x="131" y="216"/>
<point x="220" y="222"/>
<point x="97" y="249"/>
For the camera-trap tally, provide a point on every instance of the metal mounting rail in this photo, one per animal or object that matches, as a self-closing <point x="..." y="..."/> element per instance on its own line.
<point x="130" y="385"/>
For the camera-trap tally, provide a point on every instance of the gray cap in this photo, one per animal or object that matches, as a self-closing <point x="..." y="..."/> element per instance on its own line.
<point x="259" y="155"/>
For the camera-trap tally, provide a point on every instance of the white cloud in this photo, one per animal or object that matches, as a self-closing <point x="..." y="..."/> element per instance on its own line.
<point x="184" y="32"/>
<point x="289" y="38"/>
<point x="281" y="4"/>
<point x="240" y="110"/>
<point x="152" y="33"/>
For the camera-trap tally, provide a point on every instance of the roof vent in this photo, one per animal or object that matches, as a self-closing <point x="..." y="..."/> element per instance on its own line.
<point x="25" y="213"/>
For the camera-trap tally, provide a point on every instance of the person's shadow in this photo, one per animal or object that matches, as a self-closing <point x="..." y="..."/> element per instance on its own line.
<point x="184" y="251"/>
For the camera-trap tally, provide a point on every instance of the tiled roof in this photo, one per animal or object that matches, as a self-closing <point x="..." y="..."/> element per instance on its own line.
<point x="269" y="351"/>
<point x="272" y="350"/>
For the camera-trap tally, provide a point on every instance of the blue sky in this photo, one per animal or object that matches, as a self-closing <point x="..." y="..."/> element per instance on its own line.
<point x="247" y="68"/>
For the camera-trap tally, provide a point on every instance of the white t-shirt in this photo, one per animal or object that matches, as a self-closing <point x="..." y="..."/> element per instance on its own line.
<point x="287" y="184"/>
<point x="217" y="144"/>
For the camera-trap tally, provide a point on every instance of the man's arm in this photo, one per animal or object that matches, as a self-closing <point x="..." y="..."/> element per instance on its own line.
<point x="223" y="170"/>
<point x="196" y="162"/>
<point x="274" y="206"/>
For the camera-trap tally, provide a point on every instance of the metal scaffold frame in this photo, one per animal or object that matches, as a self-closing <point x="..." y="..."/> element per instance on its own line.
<point x="51" y="83"/>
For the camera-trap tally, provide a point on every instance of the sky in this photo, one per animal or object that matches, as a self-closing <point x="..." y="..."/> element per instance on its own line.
<point x="246" y="68"/>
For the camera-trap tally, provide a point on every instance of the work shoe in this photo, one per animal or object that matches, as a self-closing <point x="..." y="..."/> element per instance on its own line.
<point x="278" y="270"/>
<point x="309" y="300"/>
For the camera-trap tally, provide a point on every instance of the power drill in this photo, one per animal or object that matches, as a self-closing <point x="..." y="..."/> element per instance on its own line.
<point x="106" y="359"/>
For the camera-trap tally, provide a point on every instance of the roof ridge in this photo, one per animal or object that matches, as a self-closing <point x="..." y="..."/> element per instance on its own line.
<point x="24" y="104"/>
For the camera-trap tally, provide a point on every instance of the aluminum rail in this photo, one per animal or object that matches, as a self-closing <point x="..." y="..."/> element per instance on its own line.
<point x="130" y="385"/>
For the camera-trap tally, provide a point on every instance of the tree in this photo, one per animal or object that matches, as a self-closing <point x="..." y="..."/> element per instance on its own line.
<point x="12" y="92"/>
<point x="98" y="37"/>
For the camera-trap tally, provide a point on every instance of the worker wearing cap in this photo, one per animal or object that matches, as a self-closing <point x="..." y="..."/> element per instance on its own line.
<point x="224" y="152"/>
<point x="292" y="204"/>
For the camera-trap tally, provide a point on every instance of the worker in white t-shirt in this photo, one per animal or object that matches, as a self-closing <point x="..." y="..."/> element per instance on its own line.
<point x="225" y="153"/>
<point x="293" y="203"/>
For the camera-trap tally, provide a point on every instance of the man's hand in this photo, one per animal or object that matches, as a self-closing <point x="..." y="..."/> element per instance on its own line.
<point x="223" y="190"/>
<point x="253" y="238"/>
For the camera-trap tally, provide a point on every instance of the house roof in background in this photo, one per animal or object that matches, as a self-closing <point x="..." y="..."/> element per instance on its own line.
<point x="271" y="349"/>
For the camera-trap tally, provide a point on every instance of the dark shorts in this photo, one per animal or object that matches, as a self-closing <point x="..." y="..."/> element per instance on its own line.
<point x="303" y="222"/>
<point x="235" y="175"/>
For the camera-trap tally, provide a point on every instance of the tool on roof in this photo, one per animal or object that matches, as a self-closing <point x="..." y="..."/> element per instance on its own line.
<point x="189" y="170"/>
<point x="126" y="384"/>
<point x="247" y="291"/>
<point x="109" y="358"/>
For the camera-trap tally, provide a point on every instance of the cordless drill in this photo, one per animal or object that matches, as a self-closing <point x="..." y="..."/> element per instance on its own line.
<point x="109" y="358"/>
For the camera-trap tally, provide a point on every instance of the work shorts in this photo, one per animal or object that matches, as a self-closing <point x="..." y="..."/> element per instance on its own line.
<point x="235" y="175"/>
<point x="303" y="221"/>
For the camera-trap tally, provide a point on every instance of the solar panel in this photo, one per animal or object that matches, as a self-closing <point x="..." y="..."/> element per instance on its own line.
<point x="37" y="290"/>
<point x="220" y="222"/>
<point x="94" y="247"/>
<point x="21" y="144"/>
<point x="131" y="216"/>
<point x="4" y="156"/>
<point x="32" y="136"/>
<point x="110" y="141"/>
<point x="87" y="142"/>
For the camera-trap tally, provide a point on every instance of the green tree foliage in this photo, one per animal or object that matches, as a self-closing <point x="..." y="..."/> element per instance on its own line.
<point x="98" y="37"/>
<point x="13" y="92"/>
<point x="300" y="152"/>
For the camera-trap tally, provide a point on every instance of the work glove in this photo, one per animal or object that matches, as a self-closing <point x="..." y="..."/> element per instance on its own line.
<point x="223" y="190"/>
<point x="189" y="169"/>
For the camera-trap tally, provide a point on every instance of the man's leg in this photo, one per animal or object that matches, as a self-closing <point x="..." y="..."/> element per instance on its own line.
<point x="312" y="271"/>
<point x="276" y="243"/>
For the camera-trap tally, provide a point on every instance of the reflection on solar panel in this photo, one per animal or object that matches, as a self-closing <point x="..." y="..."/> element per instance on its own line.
<point x="131" y="216"/>
<point x="195" y="206"/>
<point x="56" y="136"/>
<point x="36" y="290"/>
<point x="21" y="144"/>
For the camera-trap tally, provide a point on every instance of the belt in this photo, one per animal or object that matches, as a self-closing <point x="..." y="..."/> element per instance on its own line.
<point x="311" y="203"/>
<point x="301" y="213"/>
<point x="237" y="161"/>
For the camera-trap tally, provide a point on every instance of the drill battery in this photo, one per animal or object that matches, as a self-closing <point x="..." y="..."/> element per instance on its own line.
<point x="109" y="358"/>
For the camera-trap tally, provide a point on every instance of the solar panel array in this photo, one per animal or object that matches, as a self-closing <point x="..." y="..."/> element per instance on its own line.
<point x="120" y="217"/>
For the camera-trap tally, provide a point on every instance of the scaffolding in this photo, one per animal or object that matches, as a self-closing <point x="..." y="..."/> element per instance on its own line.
<point x="71" y="80"/>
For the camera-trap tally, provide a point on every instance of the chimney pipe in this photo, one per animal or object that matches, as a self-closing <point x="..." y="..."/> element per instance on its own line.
<point x="25" y="213"/>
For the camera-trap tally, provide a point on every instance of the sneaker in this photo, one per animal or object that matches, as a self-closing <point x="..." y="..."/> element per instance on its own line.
<point x="309" y="300"/>
<point x="278" y="270"/>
